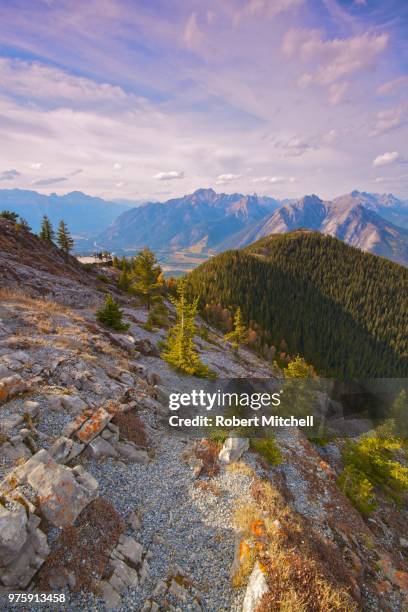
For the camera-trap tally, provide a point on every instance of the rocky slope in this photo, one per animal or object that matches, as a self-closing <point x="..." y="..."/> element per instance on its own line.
<point x="104" y="506"/>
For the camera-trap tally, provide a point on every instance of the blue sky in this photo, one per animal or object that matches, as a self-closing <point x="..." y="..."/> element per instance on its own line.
<point x="149" y="100"/>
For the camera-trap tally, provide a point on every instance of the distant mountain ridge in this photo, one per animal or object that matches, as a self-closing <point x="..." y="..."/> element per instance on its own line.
<point x="215" y="222"/>
<point x="203" y="216"/>
<point x="84" y="214"/>
<point x="351" y="218"/>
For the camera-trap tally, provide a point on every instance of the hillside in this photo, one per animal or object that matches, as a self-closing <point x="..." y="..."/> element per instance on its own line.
<point x="357" y="219"/>
<point x="344" y="310"/>
<point x="105" y="506"/>
<point x="84" y="214"/>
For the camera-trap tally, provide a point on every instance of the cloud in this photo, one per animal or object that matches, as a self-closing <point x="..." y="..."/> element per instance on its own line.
<point x="192" y="35"/>
<point x="117" y="166"/>
<point x="75" y="172"/>
<point x="224" y="179"/>
<point x="265" y="8"/>
<point x="9" y="175"/>
<point x="169" y="176"/>
<point x="49" y="181"/>
<point x="385" y="159"/>
<point x="389" y="119"/>
<point x="36" y="165"/>
<point x="295" y="147"/>
<point x="274" y="180"/>
<point x="334" y="59"/>
<point x="337" y="92"/>
<point x="391" y="87"/>
<point x="38" y="81"/>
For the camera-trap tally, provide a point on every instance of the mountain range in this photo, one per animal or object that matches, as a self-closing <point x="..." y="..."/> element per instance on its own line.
<point x="84" y="214"/>
<point x="202" y="218"/>
<point x="206" y="222"/>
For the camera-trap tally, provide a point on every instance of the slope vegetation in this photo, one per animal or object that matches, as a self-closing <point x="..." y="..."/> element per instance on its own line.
<point x="344" y="310"/>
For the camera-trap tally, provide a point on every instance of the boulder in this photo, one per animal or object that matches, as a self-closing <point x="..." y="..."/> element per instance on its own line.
<point x="256" y="589"/>
<point x="65" y="449"/>
<point x="233" y="449"/>
<point x="73" y="404"/>
<point x="124" y="341"/>
<point x="31" y="408"/>
<point x="13" y="533"/>
<point x="93" y="426"/>
<point x="62" y="493"/>
<point x="73" y="426"/>
<point x="10" y="422"/>
<point x="110" y="595"/>
<point x="123" y="576"/>
<point x="131" y="452"/>
<point x="99" y="448"/>
<point x="130" y="550"/>
<point x="11" y="386"/>
<point x="55" y="403"/>
<point x="147" y="348"/>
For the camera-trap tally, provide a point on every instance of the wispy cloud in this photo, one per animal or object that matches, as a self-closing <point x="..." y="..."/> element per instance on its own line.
<point x="192" y="35"/>
<point x="169" y="176"/>
<point x="264" y="8"/>
<point x="392" y="86"/>
<point x="9" y="175"/>
<point x="49" y="181"/>
<point x="274" y="180"/>
<point x="224" y="179"/>
<point x="386" y="159"/>
<point x="335" y="59"/>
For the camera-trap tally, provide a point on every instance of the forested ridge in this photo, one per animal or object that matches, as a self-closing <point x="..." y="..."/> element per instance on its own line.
<point x="344" y="310"/>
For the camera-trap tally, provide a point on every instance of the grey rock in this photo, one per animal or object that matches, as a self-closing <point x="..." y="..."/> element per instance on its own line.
<point x="257" y="587"/>
<point x="13" y="533"/>
<point x="99" y="448"/>
<point x="233" y="449"/>
<point x="74" y="404"/>
<point x="130" y="452"/>
<point x="110" y="595"/>
<point x="65" y="449"/>
<point x="31" y="408"/>
<point x="55" y="403"/>
<point x="62" y="493"/>
<point x="131" y="550"/>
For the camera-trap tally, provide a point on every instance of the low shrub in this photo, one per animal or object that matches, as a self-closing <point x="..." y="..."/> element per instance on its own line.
<point x="268" y="449"/>
<point x="131" y="428"/>
<point x="111" y="315"/>
<point x="371" y="463"/>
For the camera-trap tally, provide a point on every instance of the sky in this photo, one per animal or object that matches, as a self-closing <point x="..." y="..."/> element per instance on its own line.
<point x="148" y="100"/>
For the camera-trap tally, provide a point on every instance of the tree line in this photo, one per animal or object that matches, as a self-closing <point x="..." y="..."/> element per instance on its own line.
<point x="62" y="238"/>
<point x="303" y="293"/>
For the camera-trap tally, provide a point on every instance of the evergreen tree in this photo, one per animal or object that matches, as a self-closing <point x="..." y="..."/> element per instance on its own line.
<point x="9" y="215"/>
<point x="123" y="282"/>
<point x="46" y="232"/>
<point x="239" y="334"/>
<point x="64" y="239"/>
<point x="146" y="280"/>
<point x="111" y="315"/>
<point x="24" y="224"/>
<point x="179" y="350"/>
